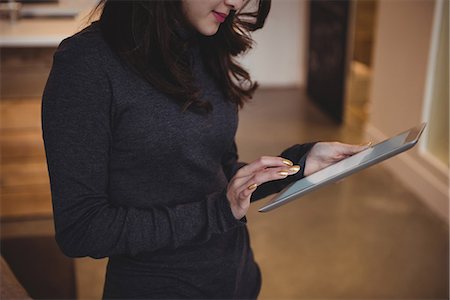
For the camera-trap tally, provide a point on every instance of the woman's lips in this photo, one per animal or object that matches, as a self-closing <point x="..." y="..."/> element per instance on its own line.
<point x="220" y="17"/>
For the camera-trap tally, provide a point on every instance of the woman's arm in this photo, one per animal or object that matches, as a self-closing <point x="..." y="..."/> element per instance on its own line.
<point x="311" y="157"/>
<point x="76" y="123"/>
<point x="296" y="153"/>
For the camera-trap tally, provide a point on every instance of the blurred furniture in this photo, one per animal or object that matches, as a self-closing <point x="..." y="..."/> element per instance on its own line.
<point x="24" y="183"/>
<point x="31" y="1"/>
<point x="10" y="10"/>
<point x="11" y="288"/>
<point x="33" y="264"/>
<point x="49" y="23"/>
<point x="40" y="267"/>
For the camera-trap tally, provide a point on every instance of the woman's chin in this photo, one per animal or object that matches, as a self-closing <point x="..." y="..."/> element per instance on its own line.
<point x="209" y="30"/>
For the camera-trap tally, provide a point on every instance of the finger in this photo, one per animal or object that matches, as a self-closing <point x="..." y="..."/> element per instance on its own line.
<point x="261" y="176"/>
<point x="266" y="175"/>
<point x="246" y="193"/>
<point x="262" y="163"/>
<point x="243" y="194"/>
<point x="246" y="189"/>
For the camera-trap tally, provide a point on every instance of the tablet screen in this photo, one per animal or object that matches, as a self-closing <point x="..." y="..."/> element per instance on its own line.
<point x="355" y="160"/>
<point x="347" y="166"/>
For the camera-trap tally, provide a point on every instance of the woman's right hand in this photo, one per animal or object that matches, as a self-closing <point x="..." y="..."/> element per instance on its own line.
<point x="247" y="179"/>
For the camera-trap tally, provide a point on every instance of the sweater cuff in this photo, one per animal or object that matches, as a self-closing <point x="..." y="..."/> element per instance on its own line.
<point x="298" y="154"/>
<point x="302" y="164"/>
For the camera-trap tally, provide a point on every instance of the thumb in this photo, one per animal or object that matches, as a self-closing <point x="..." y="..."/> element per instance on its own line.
<point x="353" y="149"/>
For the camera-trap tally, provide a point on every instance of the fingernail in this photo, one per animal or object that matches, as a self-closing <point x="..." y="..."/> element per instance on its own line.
<point x="294" y="169"/>
<point x="367" y="144"/>
<point x="287" y="162"/>
<point x="252" y="187"/>
<point x="283" y="173"/>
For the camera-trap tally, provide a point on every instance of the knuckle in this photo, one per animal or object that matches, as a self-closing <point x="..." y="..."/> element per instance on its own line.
<point x="259" y="177"/>
<point x="252" y="181"/>
<point x="264" y="160"/>
<point x="240" y="172"/>
<point x="231" y="185"/>
<point x="242" y="197"/>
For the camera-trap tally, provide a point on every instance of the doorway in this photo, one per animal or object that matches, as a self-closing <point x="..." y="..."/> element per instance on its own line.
<point x="359" y="75"/>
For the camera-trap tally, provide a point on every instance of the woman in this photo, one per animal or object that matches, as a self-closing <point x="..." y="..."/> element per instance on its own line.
<point x="139" y="118"/>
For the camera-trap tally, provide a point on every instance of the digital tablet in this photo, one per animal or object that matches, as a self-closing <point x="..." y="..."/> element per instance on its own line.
<point x="373" y="155"/>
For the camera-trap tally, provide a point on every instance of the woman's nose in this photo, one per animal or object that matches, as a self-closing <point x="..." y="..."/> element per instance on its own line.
<point x="234" y="4"/>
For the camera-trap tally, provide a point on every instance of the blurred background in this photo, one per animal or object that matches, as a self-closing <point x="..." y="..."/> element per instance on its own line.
<point x="350" y="71"/>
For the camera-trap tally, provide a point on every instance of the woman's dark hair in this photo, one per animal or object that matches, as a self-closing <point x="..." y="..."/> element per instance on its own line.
<point x="151" y="37"/>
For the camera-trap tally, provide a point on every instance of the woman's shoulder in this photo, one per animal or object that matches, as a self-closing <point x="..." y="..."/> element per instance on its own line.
<point x="87" y="43"/>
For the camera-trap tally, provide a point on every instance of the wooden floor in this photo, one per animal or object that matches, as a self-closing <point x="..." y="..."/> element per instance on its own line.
<point x="367" y="237"/>
<point x="364" y="238"/>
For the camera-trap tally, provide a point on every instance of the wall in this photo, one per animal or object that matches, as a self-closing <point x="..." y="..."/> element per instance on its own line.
<point x="437" y="94"/>
<point x="278" y="58"/>
<point x="401" y="56"/>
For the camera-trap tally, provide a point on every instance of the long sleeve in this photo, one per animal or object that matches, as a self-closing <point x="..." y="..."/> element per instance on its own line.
<point x="230" y="162"/>
<point x="296" y="153"/>
<point x="78" y="131"/>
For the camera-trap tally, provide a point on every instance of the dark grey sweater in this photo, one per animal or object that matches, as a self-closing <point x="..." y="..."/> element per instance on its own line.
<point x="136" y="180"/>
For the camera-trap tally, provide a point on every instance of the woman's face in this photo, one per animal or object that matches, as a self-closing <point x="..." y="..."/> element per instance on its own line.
<point x="207" y="15"/>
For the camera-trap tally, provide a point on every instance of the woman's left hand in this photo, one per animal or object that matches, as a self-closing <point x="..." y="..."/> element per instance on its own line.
<point x="324" y="154"/>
